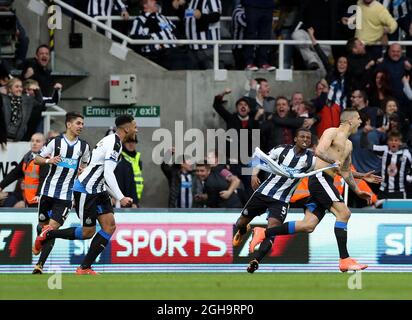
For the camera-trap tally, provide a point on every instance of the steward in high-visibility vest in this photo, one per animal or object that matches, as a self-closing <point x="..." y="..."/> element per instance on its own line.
<point x="130" y="154"/>
<point x="32" y="174"/>
<point x="138" y="178"/>
<point x="302" y="191"/>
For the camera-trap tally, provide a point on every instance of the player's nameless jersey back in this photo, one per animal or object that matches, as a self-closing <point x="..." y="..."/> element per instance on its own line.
<point x="107" y="149"/>
<point x="279" y="187"/>
<point x="59" y="181"/>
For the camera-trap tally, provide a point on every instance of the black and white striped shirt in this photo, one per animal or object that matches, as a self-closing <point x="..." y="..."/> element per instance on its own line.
<point x="395" y="168"/>
<point x="281" y="188"/>
<point x="238" y="25"/>
<point x="104" y="7"/>
<point x="212" y="32"/>
<point x="397" y="8"/>
<point x="104" y="159"/>
<point x="60" y="179"/>
<point x="186" y="195"/>
<point x="164" y="30"/>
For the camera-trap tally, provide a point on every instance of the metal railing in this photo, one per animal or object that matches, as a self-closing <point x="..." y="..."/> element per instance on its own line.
<point x="214" y="43"/>
<point x="47" y="115"/>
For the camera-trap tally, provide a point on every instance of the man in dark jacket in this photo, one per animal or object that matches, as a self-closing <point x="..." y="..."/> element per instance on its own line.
<point x="279" y="129"/>
<point x="241" y="119"/>
<point x="360" y="64"/>
<point x="396" y="65"/>
<point x="183" y="183"/>
<point x="216" y="187"/>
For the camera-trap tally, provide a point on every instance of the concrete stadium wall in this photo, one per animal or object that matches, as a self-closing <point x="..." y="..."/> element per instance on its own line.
<point x="185" y="96"/>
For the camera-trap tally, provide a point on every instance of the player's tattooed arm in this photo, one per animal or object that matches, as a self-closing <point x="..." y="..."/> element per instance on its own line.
<point x="348" y="175"/>
<point x="324" y="156"/>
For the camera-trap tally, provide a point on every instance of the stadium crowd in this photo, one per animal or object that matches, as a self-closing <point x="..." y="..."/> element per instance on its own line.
<point x="368" y="75"/>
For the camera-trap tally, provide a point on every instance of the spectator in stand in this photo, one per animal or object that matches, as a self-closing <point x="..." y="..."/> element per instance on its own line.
<point x="376" y="24"/>
<point x="397" y="65"/>
<point x="105" y="7"/>
<point x="336" y="99"/>
<point x="31" y="173"/>
<point x="360" y="65"/>
<point x="359" y="101"/>
<point x="151" y="25"/>
<point x="17" y="110"/>
<point x="37" y="69"/>
<point x="279" y="129"/>
<point x="35" y="124"/>
<point x="296" y="101"/>
<point x="380" y="89"/>
<point x="305" y="111"/>
<point x="23" y="40"/>
<point x="184" y="186"/>
<point x="259" y="97"/>
<point x="396" y="167"/>
<point x="259" y="19"/>
<point x="241" y="119"/>
<point x="321" y="16"/>
<point x="238" y="29"/>
<point x="4" y="78"/>
<point x="321" y="91"/>
<point x="391" y="118"/>
<point x="51" y="134"/>
<point x="401" y="11"/>
<point x="289" y="10"/>
<point x="363" y="158"/>
<point x="220" y="185"/>
<point x="13" y="199"/>
<point x="202" y="22"/>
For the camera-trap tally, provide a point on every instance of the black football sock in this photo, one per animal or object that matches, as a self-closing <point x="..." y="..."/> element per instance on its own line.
<point x="45" y="251"/>
<point x="341" y="237"/>
<point x="241" y="228"/>
<point x="97" y="246"/>
<point x="264" y="248"/>
<point x="286" y="228"/>
<point x="69" y="233"/>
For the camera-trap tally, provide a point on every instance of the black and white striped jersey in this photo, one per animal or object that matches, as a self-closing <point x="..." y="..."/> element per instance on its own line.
<point x="395" y="168"/>
<point x="281" y="188"/>
<point x="153" y="26"/>
<point x="397" y="8"/>
<point x="202" y="30"/>
<point x="59" y="181"/>
<point x="186" y="194"/>
<point x="100" y="170"/>
<point x="104" y="7"/>
<point x="238" y="25"/>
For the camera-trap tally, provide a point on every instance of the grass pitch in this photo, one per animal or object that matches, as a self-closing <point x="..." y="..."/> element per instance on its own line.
<point x="207" y="286"/>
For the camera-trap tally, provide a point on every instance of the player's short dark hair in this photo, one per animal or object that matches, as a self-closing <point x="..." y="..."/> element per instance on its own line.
<point x="42" y="46"/>
<point x="344" y="116"/>
<point x="394" y="134"/>
<point x="123" y="119"/>
<point x="71" y="116"/>
<point x="302" y="130"/>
